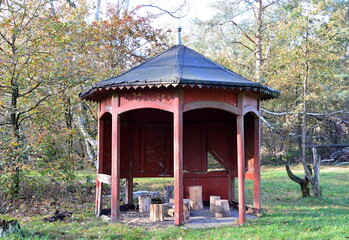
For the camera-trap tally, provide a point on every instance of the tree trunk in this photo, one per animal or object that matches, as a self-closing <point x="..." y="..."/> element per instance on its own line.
<point x="90" y="141"/>
<point x="316" y="178"/>
<point x="98" y="9"/>
<point x="259" y="42"/>
<point x="304" y="183"/>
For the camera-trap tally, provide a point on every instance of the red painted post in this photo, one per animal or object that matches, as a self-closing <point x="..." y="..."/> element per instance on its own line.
<point x="129" y="190"/>
<point x="98" y="204"/>
<point x="178" y="159"/>
<point x="115" y="171"/>
<point x="256" y="167"/>
<point x="241" y="167"/>
<point x="99" y="185"/>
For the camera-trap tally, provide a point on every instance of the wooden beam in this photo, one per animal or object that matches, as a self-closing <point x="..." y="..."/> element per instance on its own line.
<point x="241" y="167"/>
<point x="115" y="169"/>
<point x="104" y="178"/>
<point x="256" y="167"/>
<point x="178" y="159"/>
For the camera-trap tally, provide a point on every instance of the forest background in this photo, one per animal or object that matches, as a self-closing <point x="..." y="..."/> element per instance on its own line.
<point x="52" y="50"/>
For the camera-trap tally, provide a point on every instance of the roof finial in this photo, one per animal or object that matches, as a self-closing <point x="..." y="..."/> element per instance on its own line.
<point x="179" y="38"/>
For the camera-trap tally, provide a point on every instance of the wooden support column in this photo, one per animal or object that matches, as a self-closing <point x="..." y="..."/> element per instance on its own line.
<point x="241" y="167"/>
<point x="178" y="159"/>
<point x="115" y="169"/>
<point x="129" y="190"/>
<point x="99" y="185"/>
<point x="99" y="203"/>
<point x="256" y="168"/>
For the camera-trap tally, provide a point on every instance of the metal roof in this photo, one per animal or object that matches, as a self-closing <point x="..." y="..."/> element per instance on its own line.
<point x="178" y="66"/>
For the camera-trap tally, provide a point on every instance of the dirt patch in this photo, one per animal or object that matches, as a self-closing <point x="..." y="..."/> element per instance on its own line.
<point x="137" y="219"/>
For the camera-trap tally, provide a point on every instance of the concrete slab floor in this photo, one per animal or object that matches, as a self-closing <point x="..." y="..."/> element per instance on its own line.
<point x="198" y="219"/>
<point x="205" y="219"/>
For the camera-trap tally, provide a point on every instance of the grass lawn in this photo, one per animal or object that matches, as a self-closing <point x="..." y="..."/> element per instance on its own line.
<point x="285" y="215"/>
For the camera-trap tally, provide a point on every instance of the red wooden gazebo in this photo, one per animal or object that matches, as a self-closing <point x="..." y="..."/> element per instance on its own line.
<point x="171" y="117"/>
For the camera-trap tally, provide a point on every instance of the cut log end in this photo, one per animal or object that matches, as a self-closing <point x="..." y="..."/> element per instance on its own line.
<point x="213" y="199"/>
<point x="144" y="202"/>
<point x="156" y="212"/>
<point x="222" y="208"/>
<point x="195" y="195"/>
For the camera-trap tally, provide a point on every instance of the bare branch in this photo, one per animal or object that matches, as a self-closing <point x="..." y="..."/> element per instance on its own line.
<point x="242" y="44"/>
<point x="30" y="90"/>
<point x="35" y="106"/>
<point x="309" y="114"/>
<point x="71" y="3"/>
<point x="243" y="31"/>
<point x="342" y="163"/>
<point x="268" y="5"/>
<point x="171" y="13"/>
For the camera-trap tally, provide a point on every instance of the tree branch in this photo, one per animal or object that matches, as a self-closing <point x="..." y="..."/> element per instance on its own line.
<point x="243" y="31"/>
<point x="172" y="14"/>
<point x="309" y="114"/>
<point x="242" y="44"/>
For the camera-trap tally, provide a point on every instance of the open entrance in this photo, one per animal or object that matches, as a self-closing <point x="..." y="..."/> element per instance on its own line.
<point x="209" y="152"/>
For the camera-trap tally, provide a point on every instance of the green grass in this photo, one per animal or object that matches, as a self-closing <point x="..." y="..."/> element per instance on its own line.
<point x="285" y="215"/>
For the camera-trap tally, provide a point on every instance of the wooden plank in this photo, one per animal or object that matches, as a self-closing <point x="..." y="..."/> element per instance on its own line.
<point x="104" y="178"/>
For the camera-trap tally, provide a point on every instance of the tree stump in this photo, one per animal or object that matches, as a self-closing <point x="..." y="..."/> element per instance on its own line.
<point x="186" y="209"/>
<point x="144" y="203"/>
<point x="169" y="209"/>
<point x="213" y="199"/>
<point x="168" y="193"/>
<point x="195" y="195"/>
<point x="156" y="212"/>
<point x="222" y="208"/>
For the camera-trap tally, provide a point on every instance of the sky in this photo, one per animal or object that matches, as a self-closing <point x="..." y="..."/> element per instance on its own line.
<point x="195" y="9"/>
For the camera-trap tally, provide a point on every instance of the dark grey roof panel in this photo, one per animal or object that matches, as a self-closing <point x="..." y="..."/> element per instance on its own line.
<point x="177" y="66"/>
